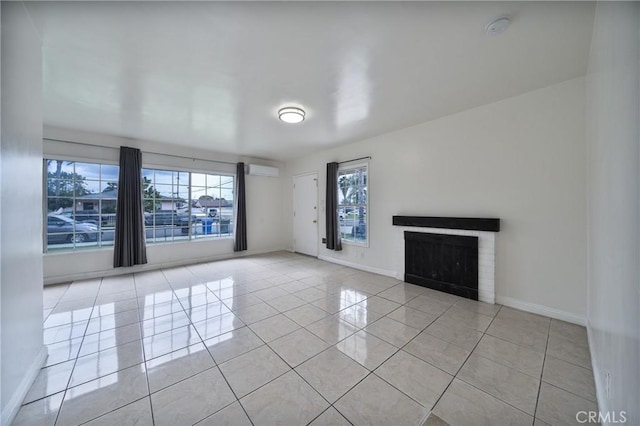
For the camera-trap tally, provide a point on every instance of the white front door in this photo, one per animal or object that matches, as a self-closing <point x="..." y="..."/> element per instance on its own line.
<point x="305" y="214"/>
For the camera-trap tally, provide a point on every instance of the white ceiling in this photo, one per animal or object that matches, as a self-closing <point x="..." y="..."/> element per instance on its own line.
<point x="213" y="75"/>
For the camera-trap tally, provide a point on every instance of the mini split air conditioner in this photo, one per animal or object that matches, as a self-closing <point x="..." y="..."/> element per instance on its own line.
<point x="257" y="170"/>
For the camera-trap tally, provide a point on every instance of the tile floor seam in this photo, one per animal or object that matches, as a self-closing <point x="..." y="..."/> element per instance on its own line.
<point x="495" y="397"/>
<point x="424" y="330"/>
<point x="477" y="343"/>
<point x="127" y="310"/>
<point x="42" y="397"/>
<point x="144" y="354"/>
<point x="327" y="409"/>
<point x="229" y="384"/>
<point x="305" y="380"/>
<point x="438" y="400"/>
<point x="569" y="362"/>
<point x="245" y="412"/>
<point x="217" y="411"/>
<point x="341" y="413"/>
<point x="568" y="391"/>
<point x="316" y="417"/>
<point x="504" y="365"/>
<point x="111" y="411"/>
<point x="459" y="368"/>
<point x="192" y="324"/>
<point x="325" y="340"/>
<point x="67" y="284"/>
<point x="76" y="358"/>
<point x="385" y="360"/>
<point x="61" y="296"/>
<point x="403" y="392"/>
<point x="501" y="362"/>
<point x="314" y="389"/>
<point x="105" y="374"/>
<point x="271" y="316"/>
<point x="544" y="360"/>
<point x="225" y="379"/>
<point x="253" y="391"/>
<point x="369" y="373"/>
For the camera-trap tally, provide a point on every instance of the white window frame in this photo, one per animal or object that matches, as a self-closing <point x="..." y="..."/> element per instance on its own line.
<point x="348" y="166"/>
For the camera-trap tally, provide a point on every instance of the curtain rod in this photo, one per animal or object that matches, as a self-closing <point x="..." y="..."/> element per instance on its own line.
<point x="368" y="157"/>
<point x="144" y="152"/>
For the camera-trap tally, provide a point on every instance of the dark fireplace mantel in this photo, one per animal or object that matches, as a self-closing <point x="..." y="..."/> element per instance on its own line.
<point x="470" y="223"/>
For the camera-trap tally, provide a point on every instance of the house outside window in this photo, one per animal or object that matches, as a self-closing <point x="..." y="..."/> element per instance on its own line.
<point x="212" y="204"/>
<point x="353" y="203"/>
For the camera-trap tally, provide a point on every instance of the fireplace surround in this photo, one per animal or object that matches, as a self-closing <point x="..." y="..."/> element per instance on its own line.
<point x="436" y="258"/>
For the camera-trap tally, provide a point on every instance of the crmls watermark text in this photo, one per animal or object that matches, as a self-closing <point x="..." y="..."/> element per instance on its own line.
<point x="609" y="417"/>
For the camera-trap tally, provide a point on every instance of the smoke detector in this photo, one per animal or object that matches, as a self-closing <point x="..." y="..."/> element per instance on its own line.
<point x="497" y="26"/>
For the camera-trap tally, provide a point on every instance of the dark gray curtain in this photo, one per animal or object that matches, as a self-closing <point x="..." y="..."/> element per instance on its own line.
<point x="129" y="247"/>
<point x="240" y="242"/>
<point x="333" y="228"/>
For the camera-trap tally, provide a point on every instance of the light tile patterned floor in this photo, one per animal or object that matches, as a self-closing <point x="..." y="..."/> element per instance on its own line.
<point x="287" y="339"/>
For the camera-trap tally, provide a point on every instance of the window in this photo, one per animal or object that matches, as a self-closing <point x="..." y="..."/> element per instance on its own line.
<point x="212" y="200"/>
<point x="181" y="205"/>
<point x="353" y="203"/>
<point x="178" y="205"/>
<point x="166" y="205"/>
<point x="81" y="204"/>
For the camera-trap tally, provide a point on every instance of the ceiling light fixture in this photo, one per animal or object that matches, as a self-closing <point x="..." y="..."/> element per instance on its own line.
<point x="291" y="115"/>
<point x="497" y="26"/>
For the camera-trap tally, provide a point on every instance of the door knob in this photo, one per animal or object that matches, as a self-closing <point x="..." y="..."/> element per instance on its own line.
<point x="315" y="221"/>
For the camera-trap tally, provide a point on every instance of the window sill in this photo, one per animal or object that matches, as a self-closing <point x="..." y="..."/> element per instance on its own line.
<point x="87" y="250"/>
<point x="198" y="240"/>
<point x="355" y="244"/>
<point x="110" y="248"/>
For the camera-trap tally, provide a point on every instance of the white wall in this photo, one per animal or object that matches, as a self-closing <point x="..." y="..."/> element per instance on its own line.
<point x="21" y="162"/>
<point x="265" y="223"/>
<point x="613" y="135"/>
<point x="521" y="160"/>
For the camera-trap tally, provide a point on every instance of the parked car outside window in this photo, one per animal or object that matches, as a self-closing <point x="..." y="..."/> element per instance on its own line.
<point x="167" y="217"/>
<point x="60" y="229"/>
<point x="88" y="216"/>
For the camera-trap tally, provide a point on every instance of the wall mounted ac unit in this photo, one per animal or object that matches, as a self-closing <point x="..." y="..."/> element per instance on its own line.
<point x="257" y="170"/>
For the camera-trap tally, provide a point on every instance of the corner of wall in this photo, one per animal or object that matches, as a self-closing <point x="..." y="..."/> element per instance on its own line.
<point x="21" y="343"/>
<point x="10" y="410"/>
<point x="541" y="310"/>
<point x="613" y="208"/>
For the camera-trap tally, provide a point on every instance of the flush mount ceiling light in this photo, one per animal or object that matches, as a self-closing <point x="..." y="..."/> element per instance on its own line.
<point x="291" y="115"/>
<point x="497" y="26"/>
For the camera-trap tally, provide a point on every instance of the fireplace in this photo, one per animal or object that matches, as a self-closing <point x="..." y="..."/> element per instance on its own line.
<point x="442" y="262"/>
<point x="433" y="256"/>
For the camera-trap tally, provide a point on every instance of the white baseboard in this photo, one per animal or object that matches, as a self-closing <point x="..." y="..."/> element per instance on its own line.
<point x="11" y="409"/>
<point x="540" y="310"/>
<point x="151" y="267"/>
<point x="506" y="301"/>
<point x="603" y="405"/>
<point x="359" y="266"/>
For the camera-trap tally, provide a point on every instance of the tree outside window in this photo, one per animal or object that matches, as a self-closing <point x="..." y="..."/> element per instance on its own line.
<point x="353" y="203"/>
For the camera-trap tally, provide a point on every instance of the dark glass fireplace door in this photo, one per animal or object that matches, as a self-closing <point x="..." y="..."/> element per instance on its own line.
<point x="448" y="263"/>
